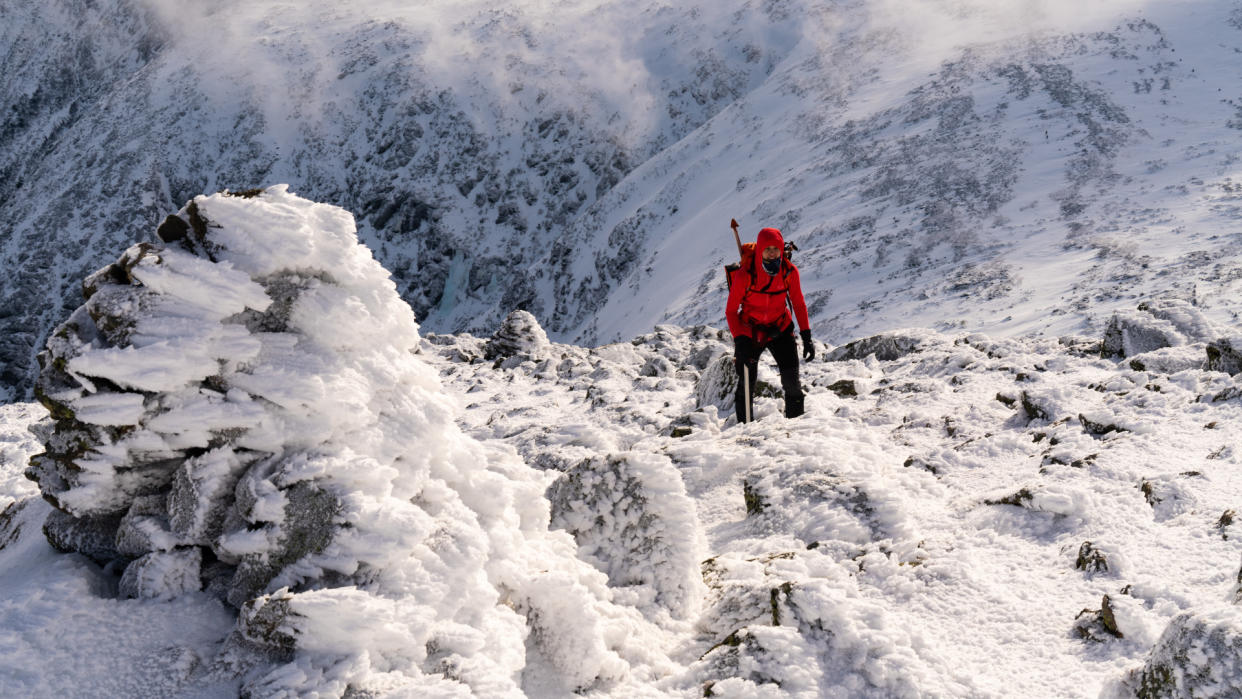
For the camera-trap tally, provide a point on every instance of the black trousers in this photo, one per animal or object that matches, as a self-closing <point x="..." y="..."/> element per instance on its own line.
<point x="785" y="351"/>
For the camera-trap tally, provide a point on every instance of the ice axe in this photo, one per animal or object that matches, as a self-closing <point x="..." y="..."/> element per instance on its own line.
<point x="745" y="369"/>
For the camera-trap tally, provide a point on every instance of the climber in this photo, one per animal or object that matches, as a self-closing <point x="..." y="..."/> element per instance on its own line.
<point x="762" y="290"/>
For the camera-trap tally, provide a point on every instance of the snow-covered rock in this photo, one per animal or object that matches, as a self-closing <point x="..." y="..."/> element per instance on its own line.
<point x="631" y="518"/>
<point x="1225" y="354"/>
<point x="885" y="346"/>
<point x="519" y="336"/>
<point x="1198" y="655"/>
<point x="239" y="409"/>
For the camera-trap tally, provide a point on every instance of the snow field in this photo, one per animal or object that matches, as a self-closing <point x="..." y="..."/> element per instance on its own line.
<point x="933" y="523"/>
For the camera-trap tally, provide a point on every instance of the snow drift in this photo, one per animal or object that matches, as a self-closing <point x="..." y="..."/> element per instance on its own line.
<point x="238" y="409"/>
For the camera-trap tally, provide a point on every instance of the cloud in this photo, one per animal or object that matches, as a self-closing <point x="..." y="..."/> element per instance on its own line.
<point x="608" y="61"/>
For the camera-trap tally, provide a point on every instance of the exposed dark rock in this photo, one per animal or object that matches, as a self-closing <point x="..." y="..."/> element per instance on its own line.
<point x="1226" y="520"/>
<point x="173" y="228"/>
<point x="1224" y="355"/>
<point x="94" y="537"/>
<point x="1155" y="325"/>
<point x="1097" y="429"/>
<point x="1099" y="624"/>
<point x="1033" y="410"/>
<point x="1022" y="498"/>
<point x="1091" y="559"/>
<point x="845" y="388"/>
<point x="754" y="501"/>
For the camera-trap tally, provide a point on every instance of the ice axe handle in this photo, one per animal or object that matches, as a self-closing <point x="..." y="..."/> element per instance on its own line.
<point x="736" y="238"/>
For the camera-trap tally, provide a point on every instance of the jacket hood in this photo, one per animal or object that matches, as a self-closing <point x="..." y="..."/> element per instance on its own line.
<point x="766" y="239"/>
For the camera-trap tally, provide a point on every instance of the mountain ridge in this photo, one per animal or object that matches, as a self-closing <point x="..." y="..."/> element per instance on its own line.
<point x="953" y="170"/>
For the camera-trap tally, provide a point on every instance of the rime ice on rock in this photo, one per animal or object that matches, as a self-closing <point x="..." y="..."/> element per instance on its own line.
<point x="886" y="346"/>
<point x="1155" y="325"/>
<point x="1198" y="655"/>
<point x="238" y="409"/>
<point x="519" y="336"/>
<point x="631" y="518"/>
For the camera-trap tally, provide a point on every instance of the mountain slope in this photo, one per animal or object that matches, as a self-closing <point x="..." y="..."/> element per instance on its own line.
<point x="965" y="165"/>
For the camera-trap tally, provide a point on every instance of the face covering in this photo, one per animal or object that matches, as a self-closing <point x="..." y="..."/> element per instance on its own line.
<point x="772" y="266"/>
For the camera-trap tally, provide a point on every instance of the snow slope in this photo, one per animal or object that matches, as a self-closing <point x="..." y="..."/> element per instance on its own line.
<point x="1007" y="167"/>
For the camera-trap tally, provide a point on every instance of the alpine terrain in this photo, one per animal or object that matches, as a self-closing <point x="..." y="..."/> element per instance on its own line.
<point x="379" y="349"/>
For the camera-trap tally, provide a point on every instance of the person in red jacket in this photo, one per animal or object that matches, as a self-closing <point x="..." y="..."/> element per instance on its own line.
<point x="761" y="295"/>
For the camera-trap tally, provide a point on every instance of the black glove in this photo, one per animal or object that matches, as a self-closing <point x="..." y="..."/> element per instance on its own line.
<point x="808" y="350"/>
<point x="744" y="350"/>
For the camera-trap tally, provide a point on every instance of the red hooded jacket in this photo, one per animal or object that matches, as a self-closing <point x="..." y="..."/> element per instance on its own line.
<point x="757" y="304"/>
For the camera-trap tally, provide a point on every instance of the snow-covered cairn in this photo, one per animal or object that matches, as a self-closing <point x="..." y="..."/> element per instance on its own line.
<point x="519" y="336"/>
<point x="237" y="409"/>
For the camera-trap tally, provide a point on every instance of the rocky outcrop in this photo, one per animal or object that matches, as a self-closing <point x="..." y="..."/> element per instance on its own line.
<point x="885" y="346"/>
<point x="1225" y="354"/>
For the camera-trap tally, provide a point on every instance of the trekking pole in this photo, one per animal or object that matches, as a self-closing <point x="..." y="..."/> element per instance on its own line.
<point x="746" y="378"/>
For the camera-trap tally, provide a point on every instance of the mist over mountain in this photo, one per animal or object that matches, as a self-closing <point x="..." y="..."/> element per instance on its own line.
<point x="1024" y="168"/>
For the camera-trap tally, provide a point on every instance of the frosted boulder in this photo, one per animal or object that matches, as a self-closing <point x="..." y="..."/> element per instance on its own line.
<point x="519" y="336"/>
<point x="163" y="575"/>
<point x="633" y="520"/>
<point x="1225" y="354"/>
<point x="1155" y="325"/>
<point x="1198" y="655"/>
<point x="717" y="384"/>
<point x="238" y="409"/>
<point x="886" y="346"/>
